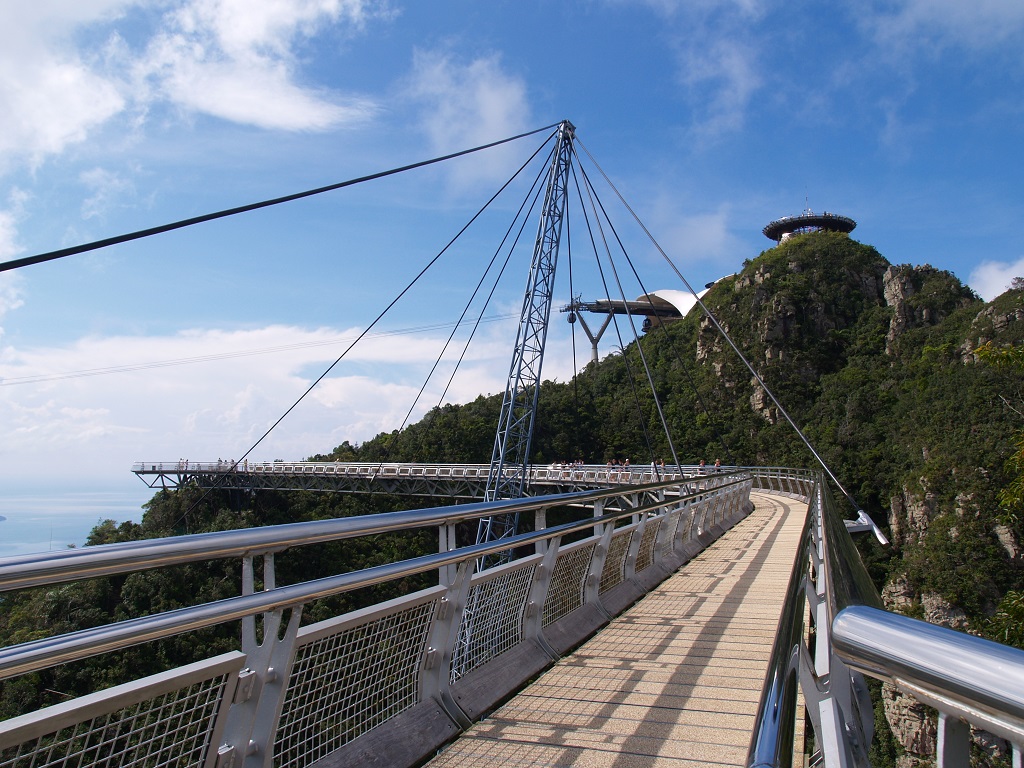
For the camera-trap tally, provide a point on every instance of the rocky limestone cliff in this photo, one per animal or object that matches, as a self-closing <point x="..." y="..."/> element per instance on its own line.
<point x="823" y="312"/>
<point x="920" y="296"/>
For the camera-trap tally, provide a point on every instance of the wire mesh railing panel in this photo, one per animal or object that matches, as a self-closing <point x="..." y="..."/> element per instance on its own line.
<point x="139" y="724"/>
<point x="493" y="619"/>
<point x="645" y="555"/>
<point x="615" y="561"/>
<point x="346" y="683"/>
<point x="568" y="579"/>
<point x="673" y="520"/>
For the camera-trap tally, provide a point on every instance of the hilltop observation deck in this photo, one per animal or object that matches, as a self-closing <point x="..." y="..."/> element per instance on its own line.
<point x="784" y="228"/>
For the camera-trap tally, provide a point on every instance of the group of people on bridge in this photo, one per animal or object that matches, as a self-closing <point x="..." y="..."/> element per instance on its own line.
<point x="702" y="467"/>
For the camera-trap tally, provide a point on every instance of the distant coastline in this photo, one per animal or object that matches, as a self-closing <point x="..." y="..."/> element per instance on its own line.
<point x="2" y="518"/>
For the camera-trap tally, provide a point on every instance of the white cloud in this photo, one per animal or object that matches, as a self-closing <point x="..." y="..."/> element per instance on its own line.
<point x="10" y="282"/>
<point x="10" y="292"/>
<point x="696" y="237"/>
<point x="992" y="278"/>
<point x="924" y="24"/>
<point x="100" y="423"/>
<point x="465" y="105"/>
<point x="9" y="224"/>
<point x="234" y="59"/>
<point x="50" y="93"/>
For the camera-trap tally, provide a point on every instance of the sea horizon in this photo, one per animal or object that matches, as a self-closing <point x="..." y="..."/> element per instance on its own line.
<point x="46" y="521"/>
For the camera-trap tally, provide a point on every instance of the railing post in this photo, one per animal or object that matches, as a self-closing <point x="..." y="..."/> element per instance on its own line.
<point x="441" y="640"/>
<point x="665" y="545"/>
<point x="252" y="720"/>
<point x="446" y="543"/>
<point x="953" y="747"/>
<point x="592" y="585"/>
<point x="534" y="614"/>
<point x="629" y="565"/>
<point x="540" y="518"/>
<point x="684" y="525"/>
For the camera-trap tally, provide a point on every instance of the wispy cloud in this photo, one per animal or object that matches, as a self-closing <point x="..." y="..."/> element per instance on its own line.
<point x="722" y="75"/>
<point x="922" y="25"/>
<point x="465" y="104"/>
<point x="718" y="51"/>
<point x="235" y="60"/>
<point x="106" y="188"/>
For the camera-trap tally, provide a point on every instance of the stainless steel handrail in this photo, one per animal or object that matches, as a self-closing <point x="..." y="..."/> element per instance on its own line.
<point x="38" y="654"/>
<point x="23" y="571"/>
<point x="827" y="576"/>
<point x="967" y="670"/>
<point x="966" y="678"/>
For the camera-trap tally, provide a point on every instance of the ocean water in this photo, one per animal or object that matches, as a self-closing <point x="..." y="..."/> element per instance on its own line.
<point x="46" y="521"/>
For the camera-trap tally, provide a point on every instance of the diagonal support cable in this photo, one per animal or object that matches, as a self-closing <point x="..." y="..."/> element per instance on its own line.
<point x="757" y="377"/>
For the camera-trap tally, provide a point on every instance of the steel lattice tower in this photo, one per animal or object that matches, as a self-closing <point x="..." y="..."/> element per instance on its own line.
<point x="510" y="459"/>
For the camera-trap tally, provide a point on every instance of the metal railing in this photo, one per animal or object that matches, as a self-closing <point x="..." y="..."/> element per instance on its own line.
<point x="422" y="479"/>
<point x="833" y="631"/>
<point x="390" y="682"/>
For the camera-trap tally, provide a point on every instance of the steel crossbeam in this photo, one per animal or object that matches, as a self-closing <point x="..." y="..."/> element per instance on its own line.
<point x="458" y="481"/>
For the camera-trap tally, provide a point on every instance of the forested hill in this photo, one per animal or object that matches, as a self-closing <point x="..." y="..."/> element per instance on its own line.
<point x="909" y="386"/>
<point x="894" y="373"/>
<point x="878" y="363"/>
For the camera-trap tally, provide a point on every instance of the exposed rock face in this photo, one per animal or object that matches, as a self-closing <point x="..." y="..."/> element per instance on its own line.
<point x="897" y="288"/>
<point x="897" y="595"/>
<point x="988" y="325"/>
<point x="709" y="342"/>
<point x="761" y="404"/>
<point x="914" y="727"/>
<point x="1010" y="543"/>
<point x="920" y="296"/>
<point x="939" y="611"/>
<point x="909" y="515"/>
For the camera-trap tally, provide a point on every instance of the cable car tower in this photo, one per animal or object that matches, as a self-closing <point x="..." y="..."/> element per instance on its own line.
<point x="510" y="459"/>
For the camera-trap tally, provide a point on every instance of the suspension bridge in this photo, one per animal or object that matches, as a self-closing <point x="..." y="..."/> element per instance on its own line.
<point x="677" y="616"/>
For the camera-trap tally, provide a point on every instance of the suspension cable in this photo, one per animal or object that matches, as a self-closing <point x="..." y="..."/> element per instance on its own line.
<point x="572" y="336"/>
<point x="615" y="323"/>
<point x="661" y="324"/>
<point x="74" y="250"/>
<point x="728" y="339"/>
<point x="376" y="320"/>
<point x="534" y="191"/>
<point x="591" y="193"/>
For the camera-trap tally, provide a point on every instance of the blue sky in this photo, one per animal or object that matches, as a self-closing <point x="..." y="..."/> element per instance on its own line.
<point x="712" y="117"/>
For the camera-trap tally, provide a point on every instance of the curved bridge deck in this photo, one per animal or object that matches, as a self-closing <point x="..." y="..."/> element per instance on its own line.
<point x="673" y="681"/>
